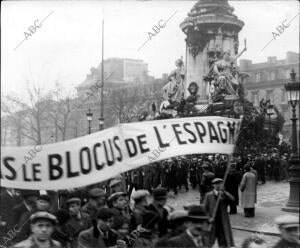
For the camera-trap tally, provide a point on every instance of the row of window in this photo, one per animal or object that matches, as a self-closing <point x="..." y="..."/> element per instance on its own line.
<point x="257" y="96"/>
<point x="271" y="75"/>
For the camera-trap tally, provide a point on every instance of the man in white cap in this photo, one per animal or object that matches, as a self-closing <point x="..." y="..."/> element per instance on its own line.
<point x="42" y="227"/>
<point x="289" y="228"/>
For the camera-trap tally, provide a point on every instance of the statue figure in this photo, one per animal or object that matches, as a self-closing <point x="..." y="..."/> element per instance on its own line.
<point x="173" y="90"/>
<point x="226" y="75"/>
<point x="263" y="105"/>
<point x="191" y="100"/>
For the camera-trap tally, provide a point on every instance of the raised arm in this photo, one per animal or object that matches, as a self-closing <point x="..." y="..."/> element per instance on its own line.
<point x="240" y="54"/>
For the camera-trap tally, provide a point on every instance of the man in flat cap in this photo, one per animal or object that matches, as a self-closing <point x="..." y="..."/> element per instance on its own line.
<point x="140" y="202"/>
<point x="118" y="202"/>
<point x="78" y="221"/>
<point x="42" y="227"/>
<point x="95" y="202"/>
<point x="289" y="228"/>
<point x="196" y="233"/>
<point x="100" y="234"/>
<point x="157" y="206"/>
<point x="221" y="228"/>
<point x="43" y="203"/>
<point x="116" y="184"/>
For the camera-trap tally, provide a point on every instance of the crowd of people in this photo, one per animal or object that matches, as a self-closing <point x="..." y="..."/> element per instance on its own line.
<point x="177" y="172"/>
<point x="132" y="210"/>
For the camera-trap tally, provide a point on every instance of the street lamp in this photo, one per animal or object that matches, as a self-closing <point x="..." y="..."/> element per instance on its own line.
<point x="89" y="117"/>
<point x="292" y="88"/>
<point x="101" y="123"/>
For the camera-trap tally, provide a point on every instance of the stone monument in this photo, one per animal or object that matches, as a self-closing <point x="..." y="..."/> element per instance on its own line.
<point x="211" y="31"/>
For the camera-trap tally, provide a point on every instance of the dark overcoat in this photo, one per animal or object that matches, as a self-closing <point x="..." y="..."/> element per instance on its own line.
<point x="209" y="202"/>
<point x="232" y="184"/>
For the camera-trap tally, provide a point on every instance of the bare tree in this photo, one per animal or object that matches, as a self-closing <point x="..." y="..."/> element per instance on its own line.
<point x="31" y="116"/>
<point x="60" y="112"/>
<point x="128" y="103"/>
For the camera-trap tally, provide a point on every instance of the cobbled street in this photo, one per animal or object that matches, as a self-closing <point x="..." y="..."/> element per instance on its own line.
<point x="270" y="199"/>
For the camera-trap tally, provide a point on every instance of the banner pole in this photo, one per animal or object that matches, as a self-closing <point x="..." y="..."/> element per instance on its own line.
<point x="219" y="195"/>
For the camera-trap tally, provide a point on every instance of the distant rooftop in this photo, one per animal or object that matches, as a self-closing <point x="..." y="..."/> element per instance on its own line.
<point x="272" y="61"/>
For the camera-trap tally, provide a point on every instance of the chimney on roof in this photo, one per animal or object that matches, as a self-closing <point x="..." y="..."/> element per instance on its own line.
<point x="292" y="57"/>
<point x="272" y="59"/>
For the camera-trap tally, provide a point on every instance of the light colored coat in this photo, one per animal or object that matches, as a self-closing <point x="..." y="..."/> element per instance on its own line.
<point x="248" y="189"/>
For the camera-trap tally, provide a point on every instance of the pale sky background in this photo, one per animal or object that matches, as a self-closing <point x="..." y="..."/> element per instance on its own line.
<point x="68" y="43"/>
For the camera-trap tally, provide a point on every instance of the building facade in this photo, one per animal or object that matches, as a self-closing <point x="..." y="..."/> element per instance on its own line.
<point x="118" y="72"/>
<point x="266" y="81"/>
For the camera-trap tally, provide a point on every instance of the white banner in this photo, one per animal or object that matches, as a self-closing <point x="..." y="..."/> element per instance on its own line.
<point x="105" y="154"/>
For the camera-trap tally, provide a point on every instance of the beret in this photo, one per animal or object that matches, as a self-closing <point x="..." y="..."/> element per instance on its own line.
<point x="96" y="192"/>
<point x="287" y="221"/>
<point x="116" y="195"/>
<point x="43" y="215"/>
<point x="217" y="180"/>
<point x="141" y="193"/>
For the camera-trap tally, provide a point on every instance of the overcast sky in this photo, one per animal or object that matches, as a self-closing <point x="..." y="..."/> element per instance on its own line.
<point x="68" y="43"/>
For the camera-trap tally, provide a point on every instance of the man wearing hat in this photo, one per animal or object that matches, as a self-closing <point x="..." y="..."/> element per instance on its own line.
<point x="193" y="172"/>
<point x="171" y="178"/>
<point x="196" y="233"/>
<point x="140" y="202"/>
<point x="157" y="206"/>
<point x="221" y="228"/>
<point x="95" y="202"/>
<point x="117" y="184"/>
<point x="78" y="221"/>
<point x="182" y="174"/>
<point x="232" y="186"/>
<point x="100" y="234"/>
<point x="206" y="179"/>
<point x="43" y="203"/>
<point x="289" y="228"/>
<point x="119" y="204"/>
<point x="42" y="227"/>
